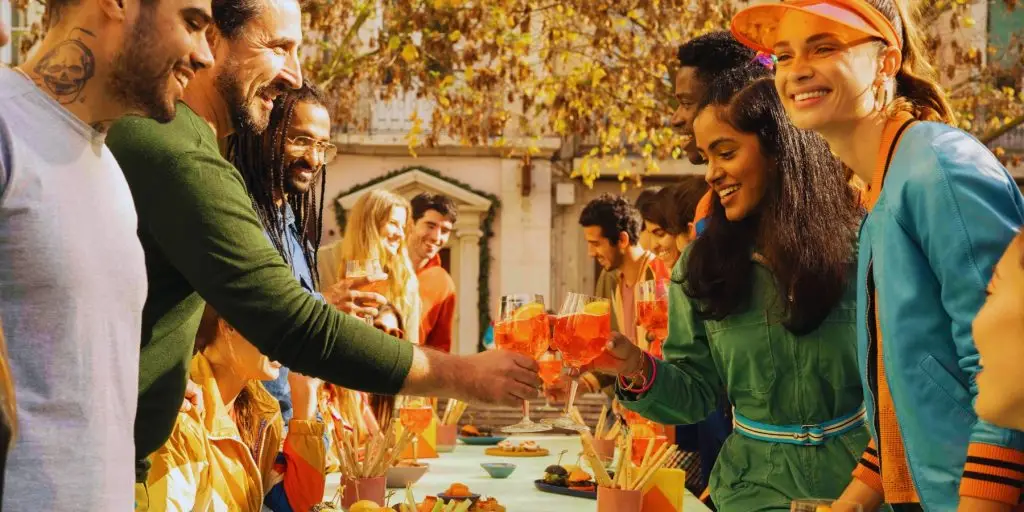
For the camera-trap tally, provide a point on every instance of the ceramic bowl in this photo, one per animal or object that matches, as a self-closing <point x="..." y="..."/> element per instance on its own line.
<point x="498" y="469"/>
<point x="401" y="476"/>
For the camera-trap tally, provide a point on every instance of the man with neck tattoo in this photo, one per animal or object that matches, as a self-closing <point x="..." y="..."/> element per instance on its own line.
<point x="205" y="243"/>
<point x="72" y="271"/>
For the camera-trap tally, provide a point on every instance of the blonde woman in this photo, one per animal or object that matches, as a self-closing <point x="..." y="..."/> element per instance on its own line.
<point x="376" y="229"/>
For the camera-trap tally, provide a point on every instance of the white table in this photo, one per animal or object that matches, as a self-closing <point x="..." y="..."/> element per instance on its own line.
<point x="517" y="492"/>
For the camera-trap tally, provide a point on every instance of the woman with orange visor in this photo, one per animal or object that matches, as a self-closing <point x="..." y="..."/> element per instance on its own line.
<point x="941" y="211"/>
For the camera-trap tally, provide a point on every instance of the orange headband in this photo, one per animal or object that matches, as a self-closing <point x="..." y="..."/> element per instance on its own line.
<point x="757" y="26"/>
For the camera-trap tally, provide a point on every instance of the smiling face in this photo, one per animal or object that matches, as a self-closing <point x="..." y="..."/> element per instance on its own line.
<point x="999" y="336"/>
<point x="688" y="90"/>
<point x="310" y="122"/>
<point x="663" y="243"/>
<point x="163" y="50"/>
<point x="607" y="254"/>
<point x="430" y="233"/>
<point x="825" y="72"/>
<point x="392" y="234"/>
<point x="261" y="63"/>
<point x="737" y="168"/>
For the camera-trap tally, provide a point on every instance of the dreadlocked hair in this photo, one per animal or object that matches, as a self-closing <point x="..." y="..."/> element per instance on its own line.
<point x="260" y="157"/>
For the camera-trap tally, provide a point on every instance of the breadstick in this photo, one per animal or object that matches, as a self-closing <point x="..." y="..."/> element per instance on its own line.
<point x="601" y="421"/>
<point x="613" y="432"/>
<point x="641" y="481"/>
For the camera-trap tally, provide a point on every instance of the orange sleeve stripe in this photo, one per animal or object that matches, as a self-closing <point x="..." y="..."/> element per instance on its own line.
<point x="1005" y="472"/>
<point x="993" y="473"/>
<point x="870" y="477"/>
<point x="999" y="453"/>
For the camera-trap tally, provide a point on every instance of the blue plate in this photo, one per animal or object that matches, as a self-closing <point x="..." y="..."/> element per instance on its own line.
<point x="482" y="441"/>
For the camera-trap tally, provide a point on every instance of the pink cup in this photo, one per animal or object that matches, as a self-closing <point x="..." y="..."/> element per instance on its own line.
<point x="605" y="449"/>
<point x="358" y="489"/>
<point x="446" y="437"/>
<point x="618" y="500"/>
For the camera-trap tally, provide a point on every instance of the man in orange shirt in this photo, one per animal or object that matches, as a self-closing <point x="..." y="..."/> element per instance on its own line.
<point x="433" y="219"/>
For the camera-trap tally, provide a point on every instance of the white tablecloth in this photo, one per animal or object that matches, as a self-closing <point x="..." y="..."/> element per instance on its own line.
<point x="517" y="492"/>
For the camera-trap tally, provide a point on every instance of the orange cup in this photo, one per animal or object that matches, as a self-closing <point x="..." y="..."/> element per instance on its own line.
<point x="357" y="489"/>
<point x="640" y="447"/>
<point x="446" y="438"/>
<point x="605" y="449"/>
<point x="618" y="500"/>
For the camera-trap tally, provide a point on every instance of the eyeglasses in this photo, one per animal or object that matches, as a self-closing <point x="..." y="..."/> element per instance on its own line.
<point x="300" y="146"/>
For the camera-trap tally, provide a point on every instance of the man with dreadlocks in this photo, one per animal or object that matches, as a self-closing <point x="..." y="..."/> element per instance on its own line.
<point x="281" y="167"/>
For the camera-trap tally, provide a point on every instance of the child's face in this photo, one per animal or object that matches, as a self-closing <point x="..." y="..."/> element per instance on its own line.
<point x="999" y="335"/>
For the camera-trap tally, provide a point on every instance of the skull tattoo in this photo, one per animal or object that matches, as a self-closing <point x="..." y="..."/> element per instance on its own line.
<point x="66" y="69"/>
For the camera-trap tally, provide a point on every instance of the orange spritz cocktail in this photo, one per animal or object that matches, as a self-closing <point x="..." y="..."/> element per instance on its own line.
<point x="549" y="371"/>
<point x="586" y="334"/>
<point x="416" y="419"/>
<point x="652" y="307"/>
<point x="653" y="315"/>
<point x="582" y="330"/>
<point x="523" y="327"/>
<point x="526" y="331"/>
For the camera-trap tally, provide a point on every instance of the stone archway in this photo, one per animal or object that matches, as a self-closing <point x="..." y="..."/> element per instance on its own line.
<point x="464" y="246"/>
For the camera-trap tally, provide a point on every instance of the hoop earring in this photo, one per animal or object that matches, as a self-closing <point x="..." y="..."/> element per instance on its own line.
<point x="881" y="96"/>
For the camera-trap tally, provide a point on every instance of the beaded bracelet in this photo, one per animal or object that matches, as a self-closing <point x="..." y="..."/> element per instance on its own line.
<point x="647" y="382"/>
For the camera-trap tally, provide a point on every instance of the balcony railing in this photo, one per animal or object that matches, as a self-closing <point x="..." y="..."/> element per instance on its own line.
<point x="395" y="115"/>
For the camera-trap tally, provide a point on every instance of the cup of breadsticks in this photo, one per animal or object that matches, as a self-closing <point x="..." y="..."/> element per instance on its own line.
<point x="623" y="492"/>
<point x="448" y="429"/>
<point x="365" y="462"/>
<point x="605" y="437"/>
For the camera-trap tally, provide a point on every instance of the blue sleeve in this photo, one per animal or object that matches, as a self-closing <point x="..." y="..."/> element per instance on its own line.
<point x="963" y="209"/>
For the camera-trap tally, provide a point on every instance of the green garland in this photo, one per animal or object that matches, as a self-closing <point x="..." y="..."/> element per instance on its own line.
<point x="486" y="227"/>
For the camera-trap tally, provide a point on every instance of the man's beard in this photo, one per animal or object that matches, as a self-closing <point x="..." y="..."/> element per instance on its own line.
<point x="245" y="114"/>
<point x="140" y="75"/>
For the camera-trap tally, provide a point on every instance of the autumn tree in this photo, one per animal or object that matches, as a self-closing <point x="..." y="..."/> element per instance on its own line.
<point x="594" y="73"/>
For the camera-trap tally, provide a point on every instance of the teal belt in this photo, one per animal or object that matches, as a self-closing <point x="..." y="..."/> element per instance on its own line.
<point x="804" y="435"/>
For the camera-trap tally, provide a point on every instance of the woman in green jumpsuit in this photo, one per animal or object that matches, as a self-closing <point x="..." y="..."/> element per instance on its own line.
<point x="762" y="309"/>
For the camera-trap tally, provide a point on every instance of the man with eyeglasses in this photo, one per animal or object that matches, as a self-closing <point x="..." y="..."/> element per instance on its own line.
<point x="281" y="168"/>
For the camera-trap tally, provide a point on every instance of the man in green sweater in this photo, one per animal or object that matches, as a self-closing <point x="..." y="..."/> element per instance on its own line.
<point x="204" y="242"/>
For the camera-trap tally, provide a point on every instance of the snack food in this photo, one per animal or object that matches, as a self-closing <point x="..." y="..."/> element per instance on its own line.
<point x="458" y="490"/>
<point x="472" y="431"/>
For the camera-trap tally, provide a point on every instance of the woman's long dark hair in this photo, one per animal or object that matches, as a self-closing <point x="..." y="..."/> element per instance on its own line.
<point x="804" y="227"/>
<point x="260" y="159"/>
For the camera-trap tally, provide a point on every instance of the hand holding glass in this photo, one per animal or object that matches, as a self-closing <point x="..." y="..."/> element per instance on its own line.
<point x="582" y="330"/>
<point x="523" y="327"/>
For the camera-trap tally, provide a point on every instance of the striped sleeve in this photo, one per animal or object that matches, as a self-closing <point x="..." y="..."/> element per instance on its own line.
<point x="993" y="473"/>
<point x="867" y="470"/>
<point x="298" y="479"/>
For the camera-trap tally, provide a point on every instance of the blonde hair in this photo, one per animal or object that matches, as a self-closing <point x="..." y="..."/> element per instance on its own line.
<point x="362" y="240"/>
<point x="917" y="88"/>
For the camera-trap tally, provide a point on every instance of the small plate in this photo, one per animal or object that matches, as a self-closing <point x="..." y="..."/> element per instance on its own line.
<point x="482" y="441"/>
<point x="564" y="491"/>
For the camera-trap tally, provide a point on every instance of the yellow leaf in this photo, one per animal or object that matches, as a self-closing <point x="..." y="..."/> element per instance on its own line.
<point x="394" y="43"/>
<point x="410" y="53"/>
<point x="455" y="36"/>
<point x="968" y="21"/>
